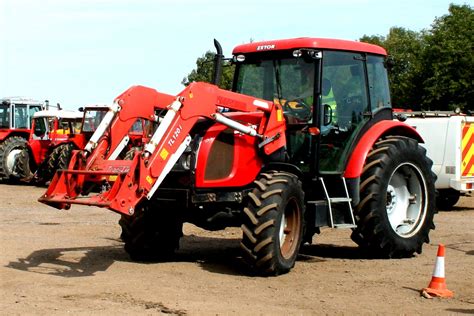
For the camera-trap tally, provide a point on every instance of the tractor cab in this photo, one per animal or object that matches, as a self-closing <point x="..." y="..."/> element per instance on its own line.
<point x="93" y="115"/>
<point x="51" y="128"/>
<point x="16" y="113"/>
<point x="15" y="124"/>
<point x="54" y="124"/>
<point x="329" y="91"/>
<point x="138" y="133"/>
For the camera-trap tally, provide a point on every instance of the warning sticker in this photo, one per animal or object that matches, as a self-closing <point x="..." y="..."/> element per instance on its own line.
<point x="467" y="150"/>
<point x="164" y="154"/>
<point x="149" y="179"/>
<point x="280" y="116"/>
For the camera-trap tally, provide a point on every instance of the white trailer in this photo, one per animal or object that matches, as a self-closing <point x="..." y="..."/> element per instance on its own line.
<point x="449" y="141"/>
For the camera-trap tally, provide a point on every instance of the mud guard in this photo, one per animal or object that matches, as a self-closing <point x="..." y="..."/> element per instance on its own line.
<point x="383" y="128"/>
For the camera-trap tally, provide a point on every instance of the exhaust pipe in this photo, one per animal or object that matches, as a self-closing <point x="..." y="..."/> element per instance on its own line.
<point x="217" y="63"/>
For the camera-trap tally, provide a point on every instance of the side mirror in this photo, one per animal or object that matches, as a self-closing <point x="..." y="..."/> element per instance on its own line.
<point x="327" y="116"/>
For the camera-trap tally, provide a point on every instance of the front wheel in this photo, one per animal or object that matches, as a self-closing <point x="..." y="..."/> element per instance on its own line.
<point x="10" y="149"/>
<point x="23" y="167"/>
<point x="151" y="233"/>
<point x="397" y="205"/>
<point x="273" y="223"/>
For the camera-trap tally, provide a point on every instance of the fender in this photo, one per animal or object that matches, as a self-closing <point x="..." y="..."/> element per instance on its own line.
<point x="382" y="128"/>
<point x="4" y="135"/>
<point x="38" y="149"/>
<point x="25" y="133"/>
<point x="284" y="167"/>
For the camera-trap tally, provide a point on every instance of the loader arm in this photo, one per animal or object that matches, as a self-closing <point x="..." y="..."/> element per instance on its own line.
<point x="125" y="183"/>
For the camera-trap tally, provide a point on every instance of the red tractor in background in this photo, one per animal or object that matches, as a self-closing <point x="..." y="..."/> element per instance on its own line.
<point x="306" y="139"/>
<point x="15" y="124"/>
<point x="54" y="136"/>
<point x="54" y="133"/>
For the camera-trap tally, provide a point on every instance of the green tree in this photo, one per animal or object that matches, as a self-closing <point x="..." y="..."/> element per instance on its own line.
<point x="373" y="39"/>
<point x="432" y="69"/>
<point x="205" y="69"/>
<point x="449" y="60"/>
<point x="405" y="48"/>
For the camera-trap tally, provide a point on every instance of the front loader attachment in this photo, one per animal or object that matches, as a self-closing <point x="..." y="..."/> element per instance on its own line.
<point x="72" y="186"/>
<point x="98" y="177"/>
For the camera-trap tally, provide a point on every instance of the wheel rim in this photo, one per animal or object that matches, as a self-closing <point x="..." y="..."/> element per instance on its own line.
<point x="406" y="201"/>
<point x="289" y="230"/>
<point x="11" y="159"/>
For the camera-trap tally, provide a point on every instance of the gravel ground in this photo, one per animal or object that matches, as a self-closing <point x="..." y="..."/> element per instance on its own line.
<point x="72" y="262"/>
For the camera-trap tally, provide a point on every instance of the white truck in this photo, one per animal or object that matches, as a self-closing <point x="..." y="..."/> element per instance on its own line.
<point x="449" y="141"/>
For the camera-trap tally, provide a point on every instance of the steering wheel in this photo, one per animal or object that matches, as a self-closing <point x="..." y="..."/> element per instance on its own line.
<point x="297" y="108"/>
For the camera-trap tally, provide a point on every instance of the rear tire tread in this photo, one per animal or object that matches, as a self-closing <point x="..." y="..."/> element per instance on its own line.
<point x="373" y="230"/>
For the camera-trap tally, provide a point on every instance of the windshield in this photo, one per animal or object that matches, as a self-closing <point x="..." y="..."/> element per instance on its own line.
<point x="4" y="116"/>
<point x="92" y="119"/>
<point x="279" y="80"/>
<point x="69" y="126"/>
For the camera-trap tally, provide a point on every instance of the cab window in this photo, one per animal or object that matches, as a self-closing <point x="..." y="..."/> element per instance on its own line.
<point x="378" y="83"/>
<point x="4" y="116"/>
<point x="21" y="116"/>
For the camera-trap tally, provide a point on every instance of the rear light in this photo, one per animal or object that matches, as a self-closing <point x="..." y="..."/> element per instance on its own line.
<point x="469" y="186"/>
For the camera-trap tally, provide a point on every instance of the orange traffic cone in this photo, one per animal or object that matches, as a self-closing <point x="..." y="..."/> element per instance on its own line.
<point x="437" y="286"/>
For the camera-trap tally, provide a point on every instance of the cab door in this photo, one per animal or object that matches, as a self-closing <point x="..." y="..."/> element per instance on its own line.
<point x="39" y="139"/>
<point x="344" y="108"/>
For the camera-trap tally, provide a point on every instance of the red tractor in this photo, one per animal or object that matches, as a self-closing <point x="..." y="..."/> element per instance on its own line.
<point x="304" y="140"/>
<point x="15" y="123"/>
<point x="54" y="135"/>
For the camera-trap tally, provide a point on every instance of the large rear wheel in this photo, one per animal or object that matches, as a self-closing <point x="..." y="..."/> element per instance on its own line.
<point x="273" y="223"/>
<point x="397" y="205"/>
<point x="58" y="159"/>
<point x="64" y="157"/>
<point x="10" y="150"/>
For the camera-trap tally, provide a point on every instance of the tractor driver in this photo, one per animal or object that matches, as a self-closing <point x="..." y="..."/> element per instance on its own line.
<point x="301" y="106"/>
<point x="298" y="97"/>
<point x="299" y="112"/>
<point x="328" y="101"/>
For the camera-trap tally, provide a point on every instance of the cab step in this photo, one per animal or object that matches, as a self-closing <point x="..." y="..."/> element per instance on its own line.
<point x="344" y="203"/>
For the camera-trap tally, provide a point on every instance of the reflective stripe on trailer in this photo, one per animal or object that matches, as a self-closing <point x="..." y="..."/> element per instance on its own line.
<point x="467" y="149"/>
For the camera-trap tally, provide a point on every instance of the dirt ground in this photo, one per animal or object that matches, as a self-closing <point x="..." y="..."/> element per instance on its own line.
<point x="71" y="262"/>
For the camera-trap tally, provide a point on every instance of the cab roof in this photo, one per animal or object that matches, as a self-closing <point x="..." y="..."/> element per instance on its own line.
<point x="20" y="101"/>
<point x="59" y="114"/>
<point x="309" y="42"/>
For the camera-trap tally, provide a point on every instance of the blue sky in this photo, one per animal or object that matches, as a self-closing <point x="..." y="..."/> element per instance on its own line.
<point x="89" y="51"/>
